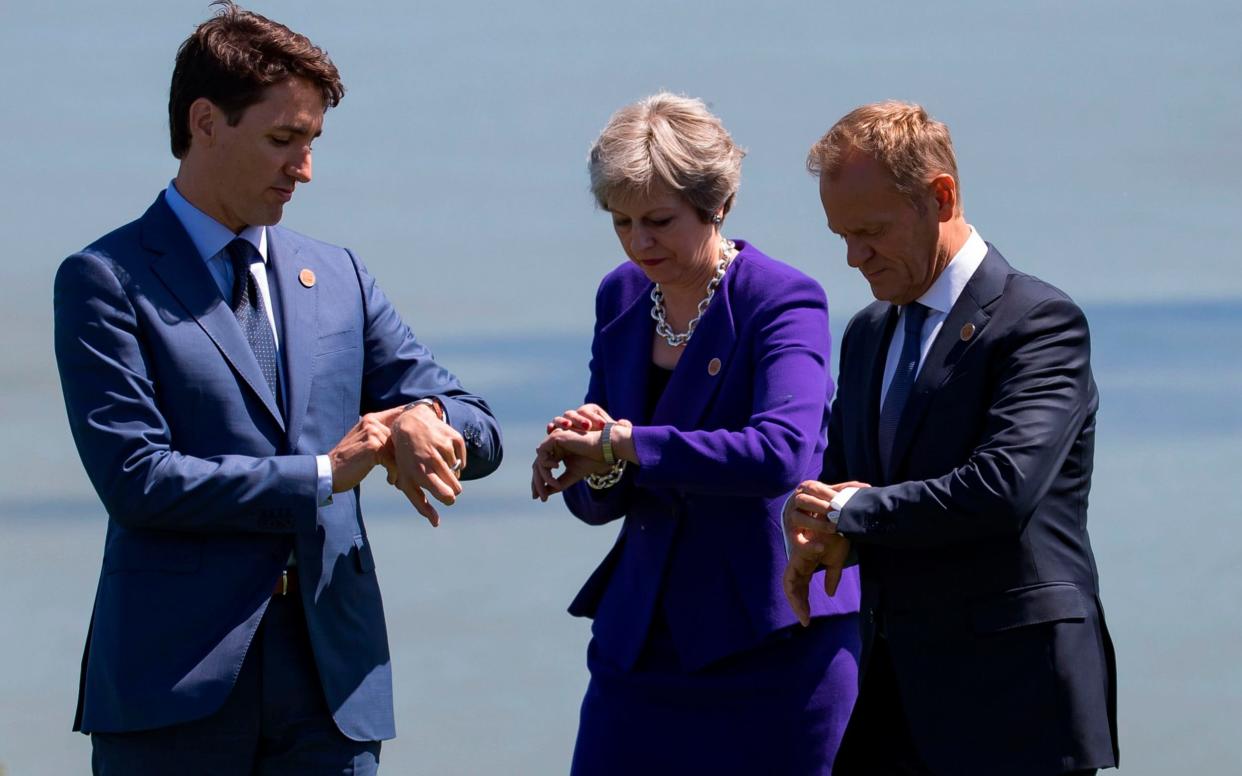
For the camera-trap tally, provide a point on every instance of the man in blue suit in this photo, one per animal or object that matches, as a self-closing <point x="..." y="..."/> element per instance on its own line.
<point x="215" y="367"/>
<point x="958" y="466"/>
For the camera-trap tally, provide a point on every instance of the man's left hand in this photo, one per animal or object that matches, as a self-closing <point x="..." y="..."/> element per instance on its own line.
<point x="813" y="543"/>
<point x="806" y="555"/>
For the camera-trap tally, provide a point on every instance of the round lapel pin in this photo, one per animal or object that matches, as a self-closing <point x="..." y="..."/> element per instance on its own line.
<point x="713" y="367"/>
<point x="307" y="278"/>
<point x="968" y="331"/>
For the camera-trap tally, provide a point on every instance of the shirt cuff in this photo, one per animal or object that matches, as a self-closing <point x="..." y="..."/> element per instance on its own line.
<point x="841" y="499"/>
<point x="785" y="525"/>
<point x="323" y="491"/>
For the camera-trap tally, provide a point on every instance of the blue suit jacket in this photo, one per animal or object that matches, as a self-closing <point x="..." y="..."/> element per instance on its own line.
<point x="974" y="551"/>
<point x="208" y="484"/>
<point x="702" y="535"/>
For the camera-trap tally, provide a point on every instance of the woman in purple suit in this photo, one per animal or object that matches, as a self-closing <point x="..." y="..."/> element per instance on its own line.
<point x="707" y="405"/>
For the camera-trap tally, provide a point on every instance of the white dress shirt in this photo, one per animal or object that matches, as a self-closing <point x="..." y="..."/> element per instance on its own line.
<point x="939" y="300"/>
<point x="211" y="238"/>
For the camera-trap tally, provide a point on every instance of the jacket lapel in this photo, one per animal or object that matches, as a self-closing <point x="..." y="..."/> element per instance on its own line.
<point x="970" y="308"/>
<point x="627" y="346"/>
<point x="183" y="272"/>
<point x="298" y="307"/>
<point x="694" y="383"/>
<point x="627" y="353"/>
<point x="880" y="331"/>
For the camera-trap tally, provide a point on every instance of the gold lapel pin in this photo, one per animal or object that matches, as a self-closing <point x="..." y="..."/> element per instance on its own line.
<point x="307" y="278"/>
<point x="968" y="331"/>
<point x="713" y="367"/>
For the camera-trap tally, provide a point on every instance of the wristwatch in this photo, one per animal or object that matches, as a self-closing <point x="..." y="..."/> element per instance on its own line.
<point x="431" y="402"/>
<point x="837" y="504"/>
<point x="605" y="441"/>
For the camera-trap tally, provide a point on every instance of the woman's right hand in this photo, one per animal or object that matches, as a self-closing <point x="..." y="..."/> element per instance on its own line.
<point x="578" y="451"/>
<point x="548" y="457"/>
<point x="588" y="417"/>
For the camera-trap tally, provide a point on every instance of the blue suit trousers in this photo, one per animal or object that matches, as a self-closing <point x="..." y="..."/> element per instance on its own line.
<point x="275" y="720"/>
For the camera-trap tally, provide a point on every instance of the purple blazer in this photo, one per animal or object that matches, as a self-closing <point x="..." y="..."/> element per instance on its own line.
<point x="702" y="534"/>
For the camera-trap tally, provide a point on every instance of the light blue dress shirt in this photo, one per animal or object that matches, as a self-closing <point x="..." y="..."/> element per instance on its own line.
<point x="211" y="237"/>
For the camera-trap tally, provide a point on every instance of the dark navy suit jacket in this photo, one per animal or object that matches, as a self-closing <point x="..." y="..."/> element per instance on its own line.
<point x="974" y="552"/>
<point x="740" y="424"/>
<point x="208" y="484"/>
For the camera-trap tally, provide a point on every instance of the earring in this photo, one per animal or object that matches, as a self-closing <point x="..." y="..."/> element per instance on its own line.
<point x="716" y="219"/>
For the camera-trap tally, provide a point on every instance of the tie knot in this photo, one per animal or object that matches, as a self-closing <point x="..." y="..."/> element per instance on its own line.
<point x="241" y="253"/>
<point x="915" y="315"/>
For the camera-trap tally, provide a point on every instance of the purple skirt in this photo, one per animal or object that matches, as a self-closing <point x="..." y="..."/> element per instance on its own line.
<point x="780" y="708"/>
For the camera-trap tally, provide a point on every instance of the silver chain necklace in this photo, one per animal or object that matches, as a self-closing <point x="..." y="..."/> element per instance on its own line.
<point x="727" y="251"/>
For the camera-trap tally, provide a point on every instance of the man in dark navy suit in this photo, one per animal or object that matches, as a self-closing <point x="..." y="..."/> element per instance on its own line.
<point x="229" y="383"/>
<point x="958" y="466"/>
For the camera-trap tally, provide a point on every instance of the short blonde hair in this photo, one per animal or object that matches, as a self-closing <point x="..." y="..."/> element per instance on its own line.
<point x="671" y="140"/>
<point x="911" y="145"/>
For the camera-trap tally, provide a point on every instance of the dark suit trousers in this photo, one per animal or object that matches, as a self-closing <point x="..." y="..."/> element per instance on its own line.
<point x="878" y="740"/>
<point x="275" y="720"/>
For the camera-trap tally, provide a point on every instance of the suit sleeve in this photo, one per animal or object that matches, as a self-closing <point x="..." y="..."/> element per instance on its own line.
<point x="398" y="369"/>
<point x="597" y="507"/>
<point x="770" y="454"/>
<point x="1043" y="394"/>
<point x="125" y="443"/>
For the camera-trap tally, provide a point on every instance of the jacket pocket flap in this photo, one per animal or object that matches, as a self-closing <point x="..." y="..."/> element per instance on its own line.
<point x="1032" y="605"/>
<point x="338" y="340"/>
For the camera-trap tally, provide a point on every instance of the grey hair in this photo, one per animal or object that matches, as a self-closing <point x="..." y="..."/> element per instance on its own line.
<point x="671" y="140"/>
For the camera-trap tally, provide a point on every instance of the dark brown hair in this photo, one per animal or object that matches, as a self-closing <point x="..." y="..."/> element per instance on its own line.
<point x="232" y="58"/>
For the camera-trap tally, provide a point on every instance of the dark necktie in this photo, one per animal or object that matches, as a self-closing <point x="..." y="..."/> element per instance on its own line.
<point x="903" y="381"/>
<point x="251" y="313"/>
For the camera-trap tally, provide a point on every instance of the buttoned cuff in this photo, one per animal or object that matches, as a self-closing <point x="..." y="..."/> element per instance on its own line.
<point x="323" y="490"/>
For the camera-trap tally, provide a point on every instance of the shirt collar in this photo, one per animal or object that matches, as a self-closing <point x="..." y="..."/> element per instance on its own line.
<point x="948" y="287"/>
<point x="209" y="235"/>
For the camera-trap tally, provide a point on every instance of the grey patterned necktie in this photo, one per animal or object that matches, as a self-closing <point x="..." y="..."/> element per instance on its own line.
<point x="903" y="381"/>
<point x="248" y="306"/>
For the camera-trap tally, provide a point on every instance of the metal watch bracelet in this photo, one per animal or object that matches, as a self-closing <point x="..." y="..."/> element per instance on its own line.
<point x="605" y="441"/>
<point x="431" y="402"/>
<point x="613" y="475"/>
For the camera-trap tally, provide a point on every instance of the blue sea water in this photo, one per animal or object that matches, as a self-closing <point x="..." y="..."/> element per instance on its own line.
<point x="489" y="669"/>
